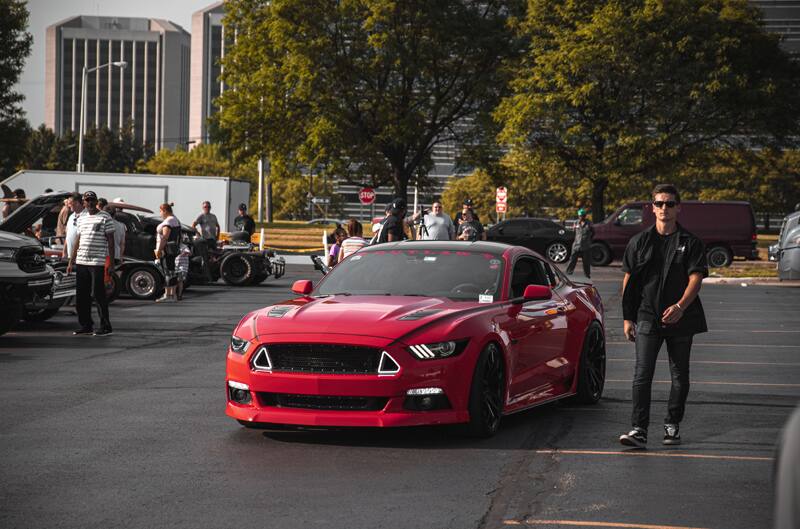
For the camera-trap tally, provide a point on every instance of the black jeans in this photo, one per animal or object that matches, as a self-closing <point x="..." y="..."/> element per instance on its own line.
<point x="586" y="258"/>
<point x="647" y="347"/>
<point x="89" y="284"/>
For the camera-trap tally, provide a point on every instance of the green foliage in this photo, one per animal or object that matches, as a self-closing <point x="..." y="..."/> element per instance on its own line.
<point x="478" y="186"/>
<point x="361" y="90"/>
<point x="204" y="159"/>
<point x="15" y="41"/>
<point x="621" y="93"/>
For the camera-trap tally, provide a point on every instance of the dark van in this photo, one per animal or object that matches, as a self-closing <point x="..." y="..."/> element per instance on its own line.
<point x="728" y="229"/>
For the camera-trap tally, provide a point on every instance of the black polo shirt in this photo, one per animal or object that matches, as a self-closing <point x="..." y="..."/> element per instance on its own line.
<point x="393" y="225"/>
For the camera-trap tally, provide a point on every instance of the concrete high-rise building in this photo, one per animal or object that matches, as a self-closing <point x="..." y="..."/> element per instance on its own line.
<point x="782" y="17"/>
<point x="208" y="48"/>
<point x="152" y="92"/>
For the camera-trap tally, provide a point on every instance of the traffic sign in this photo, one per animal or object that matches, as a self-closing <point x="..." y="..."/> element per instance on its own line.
<point x="501" y="207"/>
<point x="502" y="195"/>
<point x="366" y="195"/>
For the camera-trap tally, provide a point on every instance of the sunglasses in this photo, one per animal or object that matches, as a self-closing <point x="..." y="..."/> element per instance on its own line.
<point x="661" y="203"/>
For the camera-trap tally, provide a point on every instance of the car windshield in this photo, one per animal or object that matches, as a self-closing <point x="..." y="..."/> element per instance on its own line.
<point x="457" y="275"/>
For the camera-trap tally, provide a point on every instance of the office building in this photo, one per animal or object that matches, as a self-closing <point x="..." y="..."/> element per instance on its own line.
<point x="208" y="49"/>
<point x="152" y="91"/>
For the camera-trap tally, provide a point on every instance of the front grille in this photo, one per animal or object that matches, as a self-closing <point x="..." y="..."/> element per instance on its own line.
<point x="324" y="358"/>
<point x="30" y="259"/>
<point x="322" y="402"/>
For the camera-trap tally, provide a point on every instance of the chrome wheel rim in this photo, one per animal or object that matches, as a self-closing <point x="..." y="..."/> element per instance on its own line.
<point x="142" y="283"/>
<point x="557" y="252"/>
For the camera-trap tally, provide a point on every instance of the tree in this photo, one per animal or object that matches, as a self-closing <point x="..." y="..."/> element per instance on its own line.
<point x="622" y="92"/>
<point x="362" y="90"/>
<point x="15" y="41"/>
<point x="478" y="186"/>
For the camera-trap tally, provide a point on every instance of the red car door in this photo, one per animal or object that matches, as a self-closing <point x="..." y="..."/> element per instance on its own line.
<point x="537" y="331"/>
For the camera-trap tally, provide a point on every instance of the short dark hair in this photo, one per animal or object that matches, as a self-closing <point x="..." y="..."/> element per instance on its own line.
<point x="76" y="196"/>
<point x="668" y="189"/>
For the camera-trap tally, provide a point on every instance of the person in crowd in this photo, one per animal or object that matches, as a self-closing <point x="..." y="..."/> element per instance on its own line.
<point x="355" y="240"/>
<point x="244" y="222"/>
<point x="392" y="229"/>
<point x="582" y="245"/>
<point x="119" y="230"/>
<point x="63" y="216"/>
<point x="466" y="206"/>
<point x="182" y="270"/>
<point x="470" y="229"/>
<point x="71" y="230"/>
<point x="664" y="268"/>
<point x="333" y="254"/>
<point x="208" y="224"/>
<point x="89" y="257"/>
<point x="168" y="238"/>
<point x="12" y="203"/>
<point x="436" y="225"/>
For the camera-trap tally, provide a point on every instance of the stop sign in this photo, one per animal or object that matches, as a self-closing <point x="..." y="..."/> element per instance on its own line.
<point x="502" y="194"/>
<point x="366" y="195"/>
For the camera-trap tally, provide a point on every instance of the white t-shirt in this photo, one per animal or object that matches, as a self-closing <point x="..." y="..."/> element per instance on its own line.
<point x="71" y="236"/>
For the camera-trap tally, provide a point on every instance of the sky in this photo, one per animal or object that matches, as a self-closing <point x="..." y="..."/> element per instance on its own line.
<point x="46" y="12"/>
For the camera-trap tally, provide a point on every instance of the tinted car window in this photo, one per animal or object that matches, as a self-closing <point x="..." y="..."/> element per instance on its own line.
<point x="513" y="227"/>
<point x="459" y="275"/>
<point x="631" y="216"/>
<point x="527" y="271"/>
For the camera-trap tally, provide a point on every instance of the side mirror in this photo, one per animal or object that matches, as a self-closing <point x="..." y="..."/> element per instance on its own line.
<point x="537" y="293"/>
<point x="303" y="287"/>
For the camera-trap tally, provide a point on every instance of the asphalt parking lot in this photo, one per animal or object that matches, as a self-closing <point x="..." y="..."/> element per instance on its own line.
<point x="130" y="431"/>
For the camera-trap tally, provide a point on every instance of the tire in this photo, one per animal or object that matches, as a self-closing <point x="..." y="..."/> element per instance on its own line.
<point x="144" y="282"/>
<point x="719" y="257"/>
<point x="557" y="252"/>
<point x="237" y="269"/>
<point x="41" y="314"/>
<point x="592" y="367"/>
<point x="8" y="317"/>
<point x="487" y="393"/>
<point x="601" y="254"/>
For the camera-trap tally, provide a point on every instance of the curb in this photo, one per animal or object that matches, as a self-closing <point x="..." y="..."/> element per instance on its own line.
<point x="745" y="281"/>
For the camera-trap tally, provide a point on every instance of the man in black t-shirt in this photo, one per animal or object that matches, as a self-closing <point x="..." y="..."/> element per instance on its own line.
<point x="392" y="229"/>
<point x="244" y="222"/>
<point x="664" y="268"/>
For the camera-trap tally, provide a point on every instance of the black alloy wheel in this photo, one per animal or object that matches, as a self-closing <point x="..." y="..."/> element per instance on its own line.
<point x="601" y="254"/>
<point x="487" y="393"/>
<point x="592" y="368"/>
<point x="719" y="257"/>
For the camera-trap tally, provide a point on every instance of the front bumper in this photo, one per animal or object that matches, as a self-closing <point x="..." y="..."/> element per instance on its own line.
<point x="452" y="375"/>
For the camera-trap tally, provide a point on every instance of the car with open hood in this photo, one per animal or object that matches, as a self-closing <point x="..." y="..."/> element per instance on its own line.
<point x="419" y="332"/>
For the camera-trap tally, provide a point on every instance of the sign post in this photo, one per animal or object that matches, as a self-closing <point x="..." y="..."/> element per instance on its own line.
<point x="501" y="199"/>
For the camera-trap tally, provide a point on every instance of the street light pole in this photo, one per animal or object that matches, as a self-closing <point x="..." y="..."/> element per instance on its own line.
<point x="82" y="120"/>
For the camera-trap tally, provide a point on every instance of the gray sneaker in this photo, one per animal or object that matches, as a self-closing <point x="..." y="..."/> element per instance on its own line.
<point x="636" y="437"/>
<point x="672" y="434"/>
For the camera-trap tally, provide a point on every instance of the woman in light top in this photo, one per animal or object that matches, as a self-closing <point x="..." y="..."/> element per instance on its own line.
<point x="354" y="242"/>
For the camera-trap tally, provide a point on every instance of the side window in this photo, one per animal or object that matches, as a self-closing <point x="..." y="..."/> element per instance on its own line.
<point x="527" y="271"/>
<point x="631" y="216"/>
<point x="552" y="278"/>
<point x="514" y="228"/>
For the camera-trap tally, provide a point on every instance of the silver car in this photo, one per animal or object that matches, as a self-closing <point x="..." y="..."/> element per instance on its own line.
<point x="788" y="251"/>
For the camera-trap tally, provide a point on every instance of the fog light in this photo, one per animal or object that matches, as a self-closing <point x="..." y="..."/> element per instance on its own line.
<point x="426" y="399"/>
<point x="239" y="393"/>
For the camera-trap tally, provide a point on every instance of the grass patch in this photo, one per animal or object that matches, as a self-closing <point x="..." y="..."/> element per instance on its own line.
<point x="746" y="271"/>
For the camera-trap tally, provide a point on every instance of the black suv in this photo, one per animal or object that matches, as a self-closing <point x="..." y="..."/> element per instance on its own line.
<point x="540" y="235"/>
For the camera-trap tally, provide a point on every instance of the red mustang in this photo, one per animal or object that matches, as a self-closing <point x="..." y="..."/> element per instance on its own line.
<point x="413" y="333"/>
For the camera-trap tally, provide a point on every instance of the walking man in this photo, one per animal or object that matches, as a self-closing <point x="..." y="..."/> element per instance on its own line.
<point x="664" y="269"/>
<point x="582" y="245"/>
<point x="94" y="245"/>
<point x="437" y="225"/>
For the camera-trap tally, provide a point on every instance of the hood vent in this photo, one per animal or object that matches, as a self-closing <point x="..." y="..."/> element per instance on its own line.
<point x="278" y="311"/>
<point x="419" y="314"/>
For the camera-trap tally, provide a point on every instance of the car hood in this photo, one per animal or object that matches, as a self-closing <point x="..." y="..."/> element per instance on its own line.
<point x="389" y="317"/>
<point x="13" y="240"/>
<point x="31" y="211"/>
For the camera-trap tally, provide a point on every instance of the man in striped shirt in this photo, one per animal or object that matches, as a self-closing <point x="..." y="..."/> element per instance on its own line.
<point x="89" y="256"/>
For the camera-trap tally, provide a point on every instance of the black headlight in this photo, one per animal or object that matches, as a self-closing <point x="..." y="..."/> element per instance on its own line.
<point x="430" y="351"/>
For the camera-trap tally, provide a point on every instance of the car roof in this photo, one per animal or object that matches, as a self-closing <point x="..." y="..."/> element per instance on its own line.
<point x="496" y="248"/>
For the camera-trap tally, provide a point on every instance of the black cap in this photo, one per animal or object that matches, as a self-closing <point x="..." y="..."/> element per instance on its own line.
<point x="90" y="195"/>
<point x="468" y="202"/>
<point x="399" y="203"/>
<point x="243" y="206"/>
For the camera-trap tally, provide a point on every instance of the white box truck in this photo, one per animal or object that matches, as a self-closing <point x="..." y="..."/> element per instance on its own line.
<point x="148" y="190"/>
